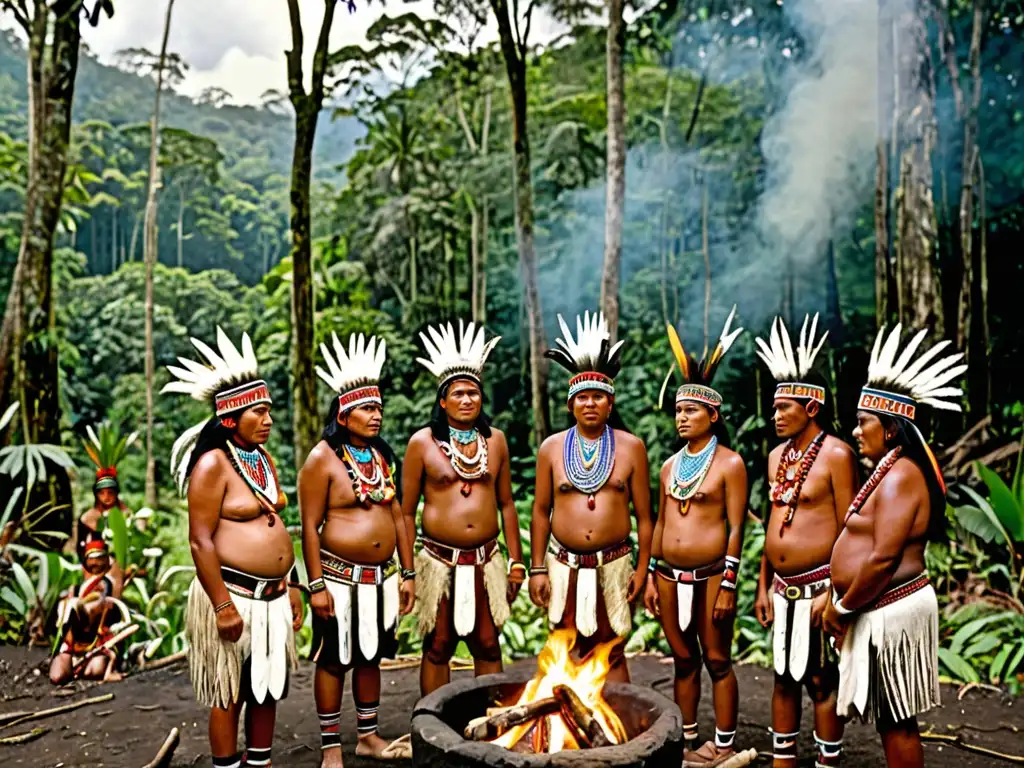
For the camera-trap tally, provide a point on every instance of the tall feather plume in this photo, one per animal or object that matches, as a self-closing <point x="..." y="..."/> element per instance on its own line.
<point x="590" y="350"/>
<point x="925" y="379"/>
<point x="360" y="366"/>
<point x="450" y="354"/>
<point x="777" y="352"/>
<point x="703" y="371"/>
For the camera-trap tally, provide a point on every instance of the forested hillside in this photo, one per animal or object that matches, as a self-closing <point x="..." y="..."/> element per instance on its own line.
<point x="225" y="168"/>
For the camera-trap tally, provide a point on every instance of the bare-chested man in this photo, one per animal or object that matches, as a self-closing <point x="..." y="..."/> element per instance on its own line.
<point x="587" y="477"/>
<point x="243" y="606"/>
<point x="884" y="614"/>
<point x="696" y="552"/>
<point x="105" y="448"/>
<point x="86" y="621"/>
<point x="812" y="480"/>
<point x="351" y="524"/>
<point x="459" y="464"/>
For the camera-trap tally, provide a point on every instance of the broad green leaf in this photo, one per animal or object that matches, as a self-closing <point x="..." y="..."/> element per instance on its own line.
<point x="24" y="582"/>
<point x="985" y="644"/>
<point x="996" y="667"/>
<point x="969" y="630"/>
<point x="993" y="520"/>
<point x="115" y="519"/>
<point x="9" y="509"/>
<point x="957" y="666"/>
<point x="13" y="599"/>
<point x="1014" y="663"/>
<point x="1005" y="505"/>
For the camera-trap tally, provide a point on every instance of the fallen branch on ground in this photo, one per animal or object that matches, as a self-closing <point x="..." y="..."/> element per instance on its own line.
<point x="166" y="661"/>
<point x="956" y="741"/>
<point x="163" y="757"/>
<point x="24" y="738"/>
<point x="59" y="710"/>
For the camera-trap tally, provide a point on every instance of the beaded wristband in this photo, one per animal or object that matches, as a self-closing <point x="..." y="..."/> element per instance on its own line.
<point x="539" y="570"/>
<point x="317" y="585"/>
<point x="408" y="573"/>
<point x="841" y="609"/>
<point x="732" y="572"/>
<point x="515" y="565"/>
<point x="223" y="605"/>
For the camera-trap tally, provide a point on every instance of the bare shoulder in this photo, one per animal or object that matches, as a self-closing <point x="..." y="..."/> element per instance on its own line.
<point x="904" y="480"/>
<point x="90" y="517"/>
<point x="498" y="437"/>
<point x="776" y="452"/>
<point x="552" y="443"/>
<point x="838" y="449"/>
<point x="320" y="453"/>
<point x="420" y="438"/>
<point x="667" y="465"/>
<point x="211" y="465"/>
<point x="629" y="441"/>
<point x="730" y="460"/>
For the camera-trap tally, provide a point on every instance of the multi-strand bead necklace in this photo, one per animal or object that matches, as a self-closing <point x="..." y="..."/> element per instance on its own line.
<point x="466" y="467"/>
<point x="255" y="469"/>
<point x="876" y="478"/>
<point x="689" y="471"/>
<point x="589" y="463"/>
<point x="375" y="488"/>
<point x="794" y="466"/>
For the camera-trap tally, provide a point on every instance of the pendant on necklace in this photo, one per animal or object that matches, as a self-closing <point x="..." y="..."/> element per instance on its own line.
<point x="591" y="504"/>
<point x="684" y="506"/>
<point x="466" y="489"/>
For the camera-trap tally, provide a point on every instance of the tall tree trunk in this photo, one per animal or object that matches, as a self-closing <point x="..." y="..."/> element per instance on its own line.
<point x="616" y="168"/>
<point x="474" y="262"/>
<point x="514" y="54"/>
<point x="181" y="224"/>
<point x="307" y="106"/>
<point x="986" y="338"/>
<point x="135" y="237"/>
<point x="150" y="256"/>
<point x="883" y="269"/>
<point x="484" y="235"/>
<point x="28" y="349"/>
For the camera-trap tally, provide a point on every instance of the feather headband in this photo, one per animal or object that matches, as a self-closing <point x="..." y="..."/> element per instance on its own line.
<point x="353" y="374"/>
<point x="228" y="381"/>
<point x="697" y="376"/>
<point x="789" y="370"/>
<point x="590" y="357"/>
<point x="451" y="356"/>
<point x="106" y="450"/>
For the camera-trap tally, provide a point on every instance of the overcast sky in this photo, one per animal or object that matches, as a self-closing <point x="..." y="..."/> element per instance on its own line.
<point x="239" y="45"/>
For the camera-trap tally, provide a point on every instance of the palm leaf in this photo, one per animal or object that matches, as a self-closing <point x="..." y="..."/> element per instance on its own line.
<point x="1004" y="503"/>
<point x="981" y="519"/>
<point x="115" y="519"/>
<point x="958" y="666"/>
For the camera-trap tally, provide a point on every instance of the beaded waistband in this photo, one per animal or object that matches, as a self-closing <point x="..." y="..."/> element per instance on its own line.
<point x="589" y="559"/>
<point x="690" y="575"/>
<point x="454" y="556"/>
<point x="342" y="571"/>
<point x="253" y="587"/>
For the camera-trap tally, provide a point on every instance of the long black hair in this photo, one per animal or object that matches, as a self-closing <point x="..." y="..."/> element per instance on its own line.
<point x="214" y="435"/>
<point x="914" y="449"/>
<point x="336" y="435"/>
<point x="439" y="418"/>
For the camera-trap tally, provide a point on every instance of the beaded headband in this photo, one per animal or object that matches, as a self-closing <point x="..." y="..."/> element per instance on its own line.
<point x="889" y="403"/>
<point x="699" y="393"/>
<point x="800" y="390"/>
<point x="590" y="380"/>
<point x="245" y="396"/>
<point x="95" y="548"/>
<point x="357" y="397"/>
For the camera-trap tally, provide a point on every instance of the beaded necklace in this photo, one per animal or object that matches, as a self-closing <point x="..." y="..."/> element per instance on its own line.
<point x="378" y="487"/>
<point x="794" y="466"/>
<point x="689" y="471"/>
<point x="876" y="477"/>
<point x="466" y="467"/>
<point x="255" y="468"/>
<point x="589" y="467"/>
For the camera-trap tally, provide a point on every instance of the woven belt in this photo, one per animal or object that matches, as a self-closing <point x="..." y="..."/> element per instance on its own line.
<point x="336" y="569"/>
<point x="898" y="593"/>
<point x="452" y="556"/>
<point x="803" y="585"/>
<point x="590" y="559"/>
<point x="690" y="575"/>
<point x="253" y="587"/>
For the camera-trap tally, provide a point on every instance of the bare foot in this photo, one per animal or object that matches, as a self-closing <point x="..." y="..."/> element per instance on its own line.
<point x="113" y="677"/>
<point x="332" y="758"/>
<point x="374" y="746"/>
<point x="707" y="755"/>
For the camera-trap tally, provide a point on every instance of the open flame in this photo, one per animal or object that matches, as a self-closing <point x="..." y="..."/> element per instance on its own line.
<point x="555" y="666"/>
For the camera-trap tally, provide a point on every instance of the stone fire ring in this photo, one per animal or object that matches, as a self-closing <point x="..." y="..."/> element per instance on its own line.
<point x="653" y="722"/>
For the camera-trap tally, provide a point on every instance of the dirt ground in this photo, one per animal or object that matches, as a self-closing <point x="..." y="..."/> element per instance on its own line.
<point x="127" y="731"/>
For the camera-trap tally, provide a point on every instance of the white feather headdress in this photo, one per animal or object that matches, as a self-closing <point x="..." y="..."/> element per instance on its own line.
<point x="589" y="356"/>
<point x="228" y="380"/>
<point x="788" y="369"/>
<point x="456" y="356"/>
<point x="353" y="374"/>
<point x="896" y="385"/>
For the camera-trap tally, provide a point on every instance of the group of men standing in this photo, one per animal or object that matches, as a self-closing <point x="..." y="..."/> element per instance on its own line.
<point x="842" y="569"/>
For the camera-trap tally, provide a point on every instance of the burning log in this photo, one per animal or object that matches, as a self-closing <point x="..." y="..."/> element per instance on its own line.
<point x="542" y="736"/>
<point x="484" y="729"/>
<point x="579" y="719"/>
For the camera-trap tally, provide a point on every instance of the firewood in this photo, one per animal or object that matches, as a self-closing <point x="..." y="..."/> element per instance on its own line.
<point x="24" y="738"/>
<point x="58" y="710"/>
<point x="492" y="727"/>
<point x="492" y="711"/>
<point x="542" y="736"/>
<point x="579" y="719"/>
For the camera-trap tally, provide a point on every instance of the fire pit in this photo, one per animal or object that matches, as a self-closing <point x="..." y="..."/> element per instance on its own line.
<point x="564" y="715"/>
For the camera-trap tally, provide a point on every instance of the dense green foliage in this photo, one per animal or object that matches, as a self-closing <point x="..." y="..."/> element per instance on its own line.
<point x="393" y="252"/>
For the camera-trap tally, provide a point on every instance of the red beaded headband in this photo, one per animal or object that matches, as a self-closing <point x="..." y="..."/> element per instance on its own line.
<point x="797" y="389"/>
<point x="700" y="394"/>
<point x="356" y="397"/>
<point x="244" y="396"/>
<point x="889" y="403"/>
<point x="590" y="380"/>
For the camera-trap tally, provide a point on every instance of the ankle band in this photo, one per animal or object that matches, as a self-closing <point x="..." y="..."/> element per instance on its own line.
<point x="234" y="761"/>
<point x="690" y="734"/>
<point x="828" y="752"/>
<point x="366" y="718"/>
<point x="724" y="739"/>
<point x="330" y="727"/>
<point x="784" y="745"/>
<point x="257" y="758"/>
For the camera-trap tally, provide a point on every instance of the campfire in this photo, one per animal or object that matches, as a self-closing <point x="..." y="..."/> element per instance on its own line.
<point x="561" y="708"/>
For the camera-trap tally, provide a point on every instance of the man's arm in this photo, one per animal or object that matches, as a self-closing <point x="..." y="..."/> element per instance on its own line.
<point x="405" y="553"/>
<point x="509" y="516"/>
<point x="898" y="501"/>
<point x="659" y="526"/>
<point x="845" y="481"/>
<point x="207" y="488"/>
<point x="640" y="490"/>
<point x="735" y="503"/>
<point x="412" y="487"/>
<point x="313" y="486"/>
<point x="540" y="521"/>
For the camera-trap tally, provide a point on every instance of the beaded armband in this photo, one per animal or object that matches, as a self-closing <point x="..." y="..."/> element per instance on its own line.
<point x="732" y="573"/>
